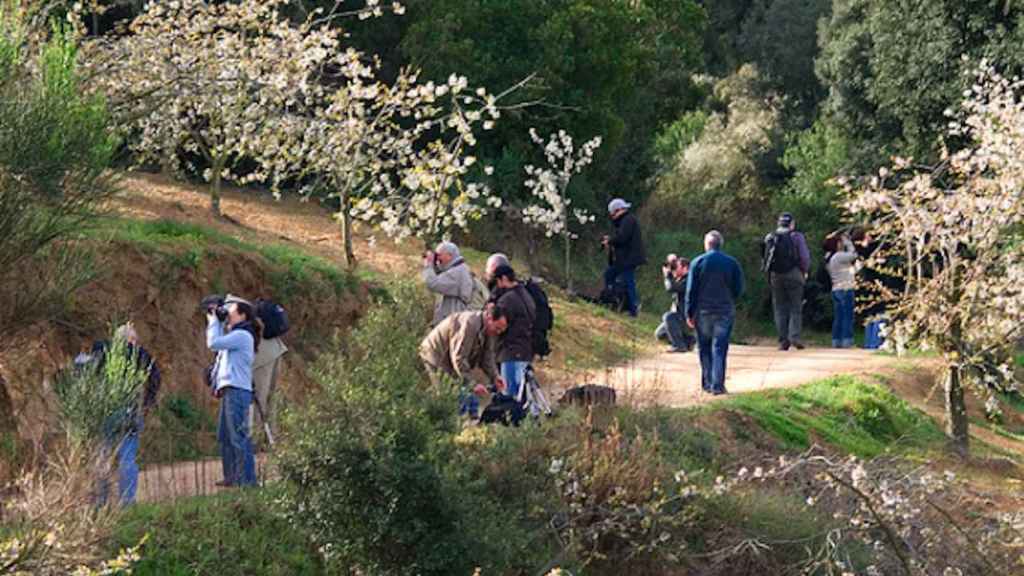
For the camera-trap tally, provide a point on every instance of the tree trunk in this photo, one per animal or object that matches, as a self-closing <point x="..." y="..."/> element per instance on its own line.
<point x="568" y="261"/>
<point x="348" y="255"/>
<point x="218" y="167"/>
<point x="956" y="412"/>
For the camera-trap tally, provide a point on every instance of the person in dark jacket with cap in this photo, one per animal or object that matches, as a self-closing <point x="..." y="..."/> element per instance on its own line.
<point x="515" y="350"/>
<point x="625" y="251"/>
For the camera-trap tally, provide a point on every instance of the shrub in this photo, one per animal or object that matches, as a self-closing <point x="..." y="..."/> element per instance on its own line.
<point x="50" y="526"/>
<point x="54" y="150"/>
<point x="97" y="399"/>
<point x="365" y="471"/>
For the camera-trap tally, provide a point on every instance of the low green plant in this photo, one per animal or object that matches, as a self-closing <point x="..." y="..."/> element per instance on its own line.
<point x="99" y="397"/>
<point x="235" y="533"/>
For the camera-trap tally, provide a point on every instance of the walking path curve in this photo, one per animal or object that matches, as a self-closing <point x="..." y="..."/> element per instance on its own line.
<point x="673" y="379"/>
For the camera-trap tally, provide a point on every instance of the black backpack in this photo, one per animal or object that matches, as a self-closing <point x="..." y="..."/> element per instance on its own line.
<point x="780" y="253"/>
<point x="274" y="318"/>
<point x="543" y="320"/>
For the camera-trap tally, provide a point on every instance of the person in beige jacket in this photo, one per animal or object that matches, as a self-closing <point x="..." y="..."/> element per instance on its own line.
<point x="461" y="342"/>
<point x="266" y="367"/>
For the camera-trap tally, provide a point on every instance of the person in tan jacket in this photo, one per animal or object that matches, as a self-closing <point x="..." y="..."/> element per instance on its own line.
<point x="461" y="342"/>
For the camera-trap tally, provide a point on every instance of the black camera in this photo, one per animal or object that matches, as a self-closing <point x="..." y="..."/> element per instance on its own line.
<point x="214" y="302"/>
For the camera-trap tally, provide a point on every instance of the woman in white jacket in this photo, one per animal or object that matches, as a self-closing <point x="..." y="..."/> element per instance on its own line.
<point x="841" y="262"/>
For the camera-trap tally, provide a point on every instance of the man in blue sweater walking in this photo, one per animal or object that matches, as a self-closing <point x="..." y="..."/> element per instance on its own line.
<point x="714" y="285"/>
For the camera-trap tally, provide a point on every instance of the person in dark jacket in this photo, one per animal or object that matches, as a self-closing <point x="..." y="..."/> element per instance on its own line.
<point x="671" y="328"/>
<point x="515" y="350"/>
<point x="124" y="434"/>
<point x="625" y="252"/>
<point x="714" y="284"/>
<point x="788" y="262"/>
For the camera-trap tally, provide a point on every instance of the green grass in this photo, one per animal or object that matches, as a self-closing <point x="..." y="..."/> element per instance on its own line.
<point x="186" y="246"/>
<point x="234" y="533"/>
<point x="856" y="417"/>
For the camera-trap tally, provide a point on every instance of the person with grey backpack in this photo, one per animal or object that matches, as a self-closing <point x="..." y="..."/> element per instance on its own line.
<point x="787" y="260"/>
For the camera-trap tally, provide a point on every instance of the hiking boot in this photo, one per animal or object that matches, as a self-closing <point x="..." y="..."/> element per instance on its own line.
<point x="673" y="350"/>
<point x="223" y="484"/>
<point x="784" y="345"/>
<point x="798" y="345"/>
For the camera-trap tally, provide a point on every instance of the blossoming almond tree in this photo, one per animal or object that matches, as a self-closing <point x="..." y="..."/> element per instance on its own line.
<point x="192" y="78"/>
<point x="394" y="155"/>
<point x="550" y="186"/>
<point x="953" y="236"/>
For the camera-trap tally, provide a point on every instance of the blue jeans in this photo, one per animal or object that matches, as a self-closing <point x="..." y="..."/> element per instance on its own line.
<point x="842" y="318"/>
<point x="469" y="404"/>
<point x="671" y="327"/>
<point x="233" y="434"/>
<point x="713" y="332"/>
<point x="127" y="467"/>
<point x="873" y="338"/>
<point x="627" y="276"/>
<point x="514" y="373"/>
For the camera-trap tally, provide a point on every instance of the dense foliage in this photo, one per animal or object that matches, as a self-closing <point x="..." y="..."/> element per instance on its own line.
<point x="54" y="150"/>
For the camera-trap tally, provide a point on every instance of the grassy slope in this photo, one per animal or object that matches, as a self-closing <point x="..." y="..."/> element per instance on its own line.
<point x="234" y="533"/>
<point x="237" y="533"/>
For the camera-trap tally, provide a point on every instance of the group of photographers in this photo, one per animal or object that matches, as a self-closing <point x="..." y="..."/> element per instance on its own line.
<point x="491" y="327"/>
<point x="499" y="324"/>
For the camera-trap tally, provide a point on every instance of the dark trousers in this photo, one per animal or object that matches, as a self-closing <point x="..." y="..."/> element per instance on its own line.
<point x="788" y="298"/>
<point x="672" y="329"/>
<point x="626" y="275"/>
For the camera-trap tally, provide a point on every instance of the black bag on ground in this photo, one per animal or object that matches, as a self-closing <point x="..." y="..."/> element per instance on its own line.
<point x="780" y="253"/>
<point x="274" y="318"/>
<point x="502" y="410"/>
<point x="543" y="321"/>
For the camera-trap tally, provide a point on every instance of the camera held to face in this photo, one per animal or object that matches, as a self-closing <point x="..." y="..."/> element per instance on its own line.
<point x="214" y="303"/>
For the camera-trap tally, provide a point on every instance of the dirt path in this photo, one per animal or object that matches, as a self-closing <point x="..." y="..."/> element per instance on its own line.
<point x="674" y="378"/>
<point x="185" y="479"/>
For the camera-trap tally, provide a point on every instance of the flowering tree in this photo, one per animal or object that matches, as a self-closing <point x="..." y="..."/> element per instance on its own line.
<point x="952" y="235"/>
<point x="194" y="79"/>
<point x="551" y="187"/>
<point x="395" y="155"/>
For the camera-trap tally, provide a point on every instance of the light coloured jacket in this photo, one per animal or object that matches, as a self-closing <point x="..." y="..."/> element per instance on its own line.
<point x="458" y="345"/>
<point x="842" y="267"/>
<point x="234" y="355"/>
<point x="270" y="350"/>
<point x="453" y="286"/>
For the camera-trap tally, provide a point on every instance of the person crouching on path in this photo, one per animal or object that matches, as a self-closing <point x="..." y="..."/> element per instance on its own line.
<point x="232" y="383"/>
<point x="675" y="272"/>
<point x="461" y="342"/>
<point x="447" y="275"/>
<point x="715" y="283"/>
<point x="515" y="351"/>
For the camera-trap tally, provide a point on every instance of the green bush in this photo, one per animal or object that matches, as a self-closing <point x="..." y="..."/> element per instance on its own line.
<point x="97" y="400"/>
<point x="364" y="464"/>
<point x="55" y="147"/>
